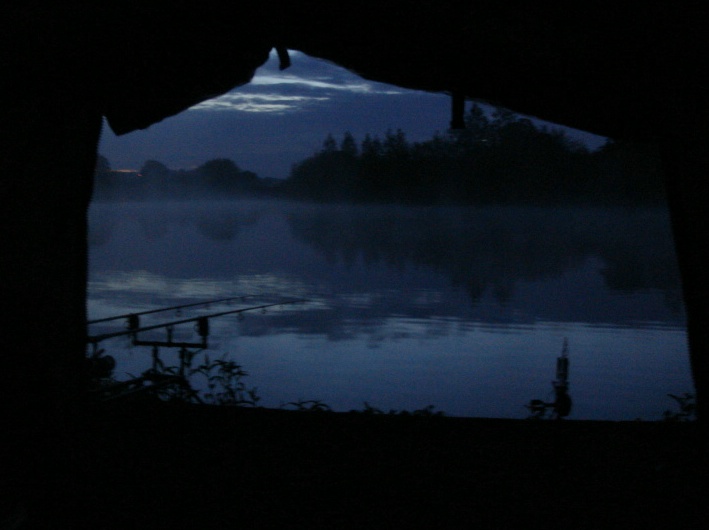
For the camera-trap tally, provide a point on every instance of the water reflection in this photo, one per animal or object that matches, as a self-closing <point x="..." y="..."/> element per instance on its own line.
<point x="464" y="305"/>
<point x="493" y="249"/>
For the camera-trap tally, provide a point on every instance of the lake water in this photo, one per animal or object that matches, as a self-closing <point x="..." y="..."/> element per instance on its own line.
<point x="462" y="308"/>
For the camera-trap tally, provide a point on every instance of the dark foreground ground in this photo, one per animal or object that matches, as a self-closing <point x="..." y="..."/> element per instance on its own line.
<point x="169" y="467"/>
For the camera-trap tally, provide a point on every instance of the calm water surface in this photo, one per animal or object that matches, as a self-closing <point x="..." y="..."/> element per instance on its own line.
<point x="465" y="309"/>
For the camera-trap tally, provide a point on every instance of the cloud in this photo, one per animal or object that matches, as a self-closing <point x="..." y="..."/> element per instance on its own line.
<point x="357" y="85"/>
<point x="267" y="102"/>
<point x="308" y="82"/>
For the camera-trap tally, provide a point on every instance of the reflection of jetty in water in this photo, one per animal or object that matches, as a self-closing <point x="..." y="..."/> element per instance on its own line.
<point x="561" y="406"/>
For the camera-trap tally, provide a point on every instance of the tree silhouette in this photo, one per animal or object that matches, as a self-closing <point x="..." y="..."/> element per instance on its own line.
<point x="153" y="168"/>
<point x="329" y="144"/>
<point x="349" y="145"/>
<point x="500" y="157"/>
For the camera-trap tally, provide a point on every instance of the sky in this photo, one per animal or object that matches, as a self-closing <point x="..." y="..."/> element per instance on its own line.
<point x="282" y="117"/>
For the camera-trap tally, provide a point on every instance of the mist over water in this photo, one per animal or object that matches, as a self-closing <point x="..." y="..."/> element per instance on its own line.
<point x="464" y="308"/>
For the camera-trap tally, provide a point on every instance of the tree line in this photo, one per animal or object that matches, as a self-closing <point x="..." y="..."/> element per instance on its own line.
<point x="218" y="178"/>
<point x="497" y="158"/>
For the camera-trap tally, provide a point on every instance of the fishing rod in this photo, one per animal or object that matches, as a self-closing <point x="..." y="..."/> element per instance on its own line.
<point x="202" y="322"/>
<point x="151" y="311"/>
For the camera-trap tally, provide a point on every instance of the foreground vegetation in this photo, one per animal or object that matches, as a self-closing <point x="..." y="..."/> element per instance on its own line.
<point x="178" y="466"/>
<point x="221" y="381"/>
<point x="156" y="464"/>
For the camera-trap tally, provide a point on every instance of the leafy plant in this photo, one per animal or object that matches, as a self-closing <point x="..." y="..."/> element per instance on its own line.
<point x="426" y="411"/>
<point x="312" y="405"/>
<point x="225" y="383"/>
<point x="687" y="408"/>
<point x="225" y="386"/>
<point x="99" y="369"/>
